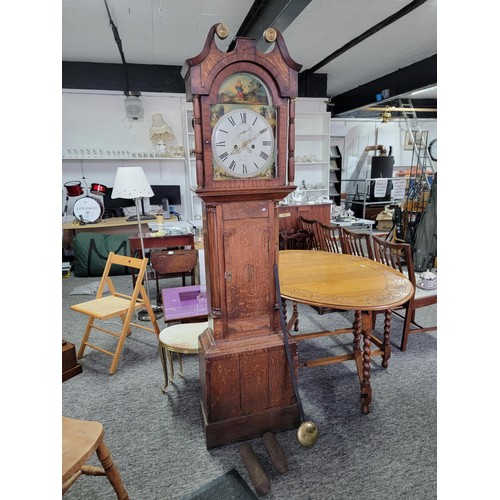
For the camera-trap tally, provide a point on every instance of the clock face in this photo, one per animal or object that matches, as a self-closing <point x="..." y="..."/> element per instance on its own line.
<point x="433" y="146"/>
<point x="243" y="145"/>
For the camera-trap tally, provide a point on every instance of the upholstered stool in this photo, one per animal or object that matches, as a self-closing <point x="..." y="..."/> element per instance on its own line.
<point x="182" y="339"/>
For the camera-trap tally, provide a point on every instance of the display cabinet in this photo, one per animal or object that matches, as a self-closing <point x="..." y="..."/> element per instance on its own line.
<point x="194" y="205"/>
<point x="312" y="148"/>
<point x="336" y="154"/>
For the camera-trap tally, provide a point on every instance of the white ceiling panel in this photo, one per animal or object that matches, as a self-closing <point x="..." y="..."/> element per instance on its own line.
<point x="167" y="32"/>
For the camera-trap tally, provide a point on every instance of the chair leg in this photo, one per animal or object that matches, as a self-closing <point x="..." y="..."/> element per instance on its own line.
<point x="171" y="363"/>
<point x="121" y="341"/>
<point x="407" y="324"/>
<point x="111" y="471"/>
<point x="152" y="316"/>
<point x="161" y="350"/>
<point x="179" y="357"/>
<point x="295" y="312"/>
<point x="85" y="337"/>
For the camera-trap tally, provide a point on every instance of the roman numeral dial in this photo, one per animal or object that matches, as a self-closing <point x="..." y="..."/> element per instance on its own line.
<point x="243" y="145"/>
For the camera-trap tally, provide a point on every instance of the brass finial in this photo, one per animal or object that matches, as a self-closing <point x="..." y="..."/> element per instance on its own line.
<point x="270" y="35"/>
<point x="222" y="31"/>
<point x="307" y="434"/>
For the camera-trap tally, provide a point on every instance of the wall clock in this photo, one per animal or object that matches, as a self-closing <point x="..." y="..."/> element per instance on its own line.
<point x="244" y="128"/>
<point x="433" y="149"/>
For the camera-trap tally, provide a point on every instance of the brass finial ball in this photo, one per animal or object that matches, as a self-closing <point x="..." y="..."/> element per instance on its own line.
<point x="307" y="434"/>
<point x="222" y="31"/>
<point x="270" y="35"/>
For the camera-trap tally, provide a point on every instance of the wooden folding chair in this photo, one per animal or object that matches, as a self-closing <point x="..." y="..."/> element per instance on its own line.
<point x="116" y="304"/>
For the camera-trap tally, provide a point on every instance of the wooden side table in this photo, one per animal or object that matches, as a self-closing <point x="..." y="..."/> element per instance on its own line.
<point x="70" y="367"/>
<point x="159" y="243"/>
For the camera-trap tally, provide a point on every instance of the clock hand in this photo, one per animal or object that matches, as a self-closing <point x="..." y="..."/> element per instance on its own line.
<point x="246" y="143"/>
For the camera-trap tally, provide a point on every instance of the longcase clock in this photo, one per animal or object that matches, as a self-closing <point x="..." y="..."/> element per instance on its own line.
<point x="244" y="125"/>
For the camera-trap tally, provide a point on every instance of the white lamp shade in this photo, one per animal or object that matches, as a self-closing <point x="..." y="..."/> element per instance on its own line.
<point x="131" y="183"/>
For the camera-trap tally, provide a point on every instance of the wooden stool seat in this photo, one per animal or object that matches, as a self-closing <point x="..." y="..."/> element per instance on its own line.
<point x="80" y="439"/>
<point x="182" y="339"/>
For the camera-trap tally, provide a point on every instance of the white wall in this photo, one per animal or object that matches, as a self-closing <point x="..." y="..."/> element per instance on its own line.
<point x="357" y="133"/>
<point x="96" y="130"/>
<point x="97" y="138"/>
<point x="360" y="133"/>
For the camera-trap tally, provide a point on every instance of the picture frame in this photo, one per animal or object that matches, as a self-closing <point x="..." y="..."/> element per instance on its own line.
<point x="420" y="139"/>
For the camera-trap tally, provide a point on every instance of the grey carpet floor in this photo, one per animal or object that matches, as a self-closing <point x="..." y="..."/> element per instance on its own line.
<point x="157" y="439"/>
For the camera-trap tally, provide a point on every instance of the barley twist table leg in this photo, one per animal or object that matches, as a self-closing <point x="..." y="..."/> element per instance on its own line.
<point x="387" y="338"/>
<point x="366" y="390"/>
<point x="357" y="330"/>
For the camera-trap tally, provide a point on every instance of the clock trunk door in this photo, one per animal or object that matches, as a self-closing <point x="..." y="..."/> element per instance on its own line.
<point x="248" y="242"/>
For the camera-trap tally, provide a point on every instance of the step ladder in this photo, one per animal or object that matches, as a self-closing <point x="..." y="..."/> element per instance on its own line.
<point x="420" y="151"/>
<point x="419" y="178"/>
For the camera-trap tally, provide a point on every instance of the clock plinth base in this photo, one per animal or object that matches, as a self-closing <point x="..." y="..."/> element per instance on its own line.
<point x="246" y="388"/>
<point x="249" y="426"/>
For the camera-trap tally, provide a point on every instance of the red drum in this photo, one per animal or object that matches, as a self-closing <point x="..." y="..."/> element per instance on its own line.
<point x="74" y="188"/>
<point x="88" y="209"/>
<point x="99" y="189"/>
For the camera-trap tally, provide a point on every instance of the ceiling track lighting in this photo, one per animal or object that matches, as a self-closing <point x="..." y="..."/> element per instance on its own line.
<point x="133" y="105"/>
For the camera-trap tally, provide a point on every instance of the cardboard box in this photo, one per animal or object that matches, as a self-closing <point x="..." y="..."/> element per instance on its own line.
<point x="384" y="222"/>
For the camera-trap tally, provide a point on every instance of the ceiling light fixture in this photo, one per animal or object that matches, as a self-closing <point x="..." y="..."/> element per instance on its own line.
<point x="386" y="115"/>
<point x="133" y="105"/>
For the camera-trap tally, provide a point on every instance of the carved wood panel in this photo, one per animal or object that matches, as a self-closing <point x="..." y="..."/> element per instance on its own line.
<point x="248" y="244"/>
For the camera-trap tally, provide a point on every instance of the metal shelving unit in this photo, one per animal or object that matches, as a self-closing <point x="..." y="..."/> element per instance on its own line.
<point x="359" y="207"/>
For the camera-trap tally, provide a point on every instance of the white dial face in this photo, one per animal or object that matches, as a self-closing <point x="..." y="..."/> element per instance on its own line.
<point x="433" y="148"/>
<point x="243" y="144"/>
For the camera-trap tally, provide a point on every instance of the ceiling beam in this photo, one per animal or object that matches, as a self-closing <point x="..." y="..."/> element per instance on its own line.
<point x="418" y="75"/>
<point x="104" y="76"/>
<point x="266" y="13"/>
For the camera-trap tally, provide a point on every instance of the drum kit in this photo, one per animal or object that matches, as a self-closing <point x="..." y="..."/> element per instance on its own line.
<point x="88" y="209"/>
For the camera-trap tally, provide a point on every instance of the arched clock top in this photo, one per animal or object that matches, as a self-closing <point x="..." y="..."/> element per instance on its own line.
<point x="200" y="71"/>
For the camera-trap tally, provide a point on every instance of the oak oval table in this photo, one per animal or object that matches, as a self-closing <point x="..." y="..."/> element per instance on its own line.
<point x="346" y="282"/>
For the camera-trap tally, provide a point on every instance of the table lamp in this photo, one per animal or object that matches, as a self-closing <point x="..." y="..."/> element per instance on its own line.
<point x="131" y="184"/>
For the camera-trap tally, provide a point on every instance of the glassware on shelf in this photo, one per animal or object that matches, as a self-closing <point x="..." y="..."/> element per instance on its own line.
<point x="299" y="195"/>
